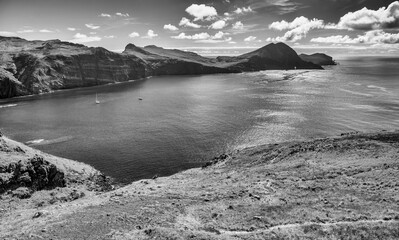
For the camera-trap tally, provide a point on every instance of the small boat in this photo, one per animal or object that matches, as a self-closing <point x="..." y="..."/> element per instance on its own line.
<point x="97" y="102"/>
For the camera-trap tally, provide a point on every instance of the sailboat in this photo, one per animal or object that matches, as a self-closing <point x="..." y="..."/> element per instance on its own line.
<point x="97" y="102"/>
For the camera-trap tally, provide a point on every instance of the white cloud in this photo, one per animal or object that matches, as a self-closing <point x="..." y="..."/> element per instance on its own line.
<point x="7" y="34"/>
<point x="92" y="33"/>
<point x="150" y="34"/>
<point x="92" y="26"/>
<point x="243" y="10"/>
<point x="298" y="28"/>
<point x="238" y="25"/>
<point x="71" y="29"/>
<point x="196" y="36"/>
<point x="205" y="37"/>
<point x="370" y="37"/>
<point x="122" y="14"/>
<point x="187" y="23"/>
<point x="201" y="12"/>
<point x="82" y="38"/>
<point x="366" y="19"/>
<point x="45" y="31"/>
<point x="251" y="39"/>
<point x="170" y="27"/>
<point x="218" y="24"/>
<point x="26" y="31"/>
<point x="134" y="34"/>
<point x="110" y="36"/>
<point x="105" y="15"/>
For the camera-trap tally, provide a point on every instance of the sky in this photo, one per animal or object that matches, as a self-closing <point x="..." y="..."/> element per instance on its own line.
<point x="224" y="27"/>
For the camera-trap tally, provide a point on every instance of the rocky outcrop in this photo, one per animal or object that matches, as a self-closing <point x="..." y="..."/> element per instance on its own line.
<point x="34" y="174"/>
<point x="35" y="67"/>
<point x="318" y="58"/>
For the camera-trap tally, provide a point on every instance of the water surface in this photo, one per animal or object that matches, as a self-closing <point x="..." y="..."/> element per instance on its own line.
<point x="186" y="120"/>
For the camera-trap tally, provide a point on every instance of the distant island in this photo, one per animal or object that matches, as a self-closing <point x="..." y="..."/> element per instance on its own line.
<point x="35" y="67"/>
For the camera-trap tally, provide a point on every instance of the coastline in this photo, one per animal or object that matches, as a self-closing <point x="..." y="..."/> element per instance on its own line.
<point x="335" y="187"/>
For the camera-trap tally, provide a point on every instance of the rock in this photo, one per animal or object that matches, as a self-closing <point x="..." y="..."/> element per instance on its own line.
<point x="37" y="214"/>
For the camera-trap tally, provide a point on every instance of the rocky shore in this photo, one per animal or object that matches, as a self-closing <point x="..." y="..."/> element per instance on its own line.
<point x="344" y="187"/>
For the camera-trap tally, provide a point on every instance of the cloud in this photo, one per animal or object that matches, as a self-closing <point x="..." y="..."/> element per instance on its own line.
<point x="170" y="27"/>
<point x="366" y="19"/>
<point x="122" y="14"/>
<point x="187" y="23"/>
<point x="298" y="28"/>
<point x="218" y="24"/>
<point x="238" y="25"/>
<point x="105" y="15"/>
<point x="205" y="37"/>
<point x="110" y="36"/>
<point x="7" y="34"/>
<point x="370" y="37"/>
<point x="82" y="38"/>
<point x="150" y="34"/>
<point x="92" y="26"/>
<point x="45" y="31"/>
<point x="251" y="39"/>
<point x="280" y="7"/>
<point x="26" y="31"/>
<point x="196" y="36"/>
<point x="71" y="29"/>
<point x="202" y="12"/>
<point x="134" y="34"/>
<point x="243" y="10"/>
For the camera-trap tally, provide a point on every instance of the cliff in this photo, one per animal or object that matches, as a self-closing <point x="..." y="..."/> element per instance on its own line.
<point x="318" y="58"/>
<point x="34" y="67"/>
<point x="343" y="187"/>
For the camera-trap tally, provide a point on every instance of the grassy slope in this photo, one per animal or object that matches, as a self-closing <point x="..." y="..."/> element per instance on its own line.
<point x="336" y="188"/>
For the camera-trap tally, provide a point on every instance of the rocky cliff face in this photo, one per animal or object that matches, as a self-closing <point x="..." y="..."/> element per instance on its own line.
<point x="34" y="67"/>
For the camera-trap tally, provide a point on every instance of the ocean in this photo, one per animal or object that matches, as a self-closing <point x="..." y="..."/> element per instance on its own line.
<point x="184" y="121"/>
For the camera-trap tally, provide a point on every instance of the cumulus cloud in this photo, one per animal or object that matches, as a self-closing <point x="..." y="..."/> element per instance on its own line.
<point x="187" y="23"/>
<point x="134" y="34"/>
<point x="105" y="15"/>
<point x="218" y="24"/>
<point x="251" y="39"/>
<point x="243" y="10"/>
<point x="298" y="28"/>
<point x="370" y="37"/>
<point x="110" y="36"/>
<point x="238" y="25"/>
<point x="7" y="34"/>
<point x="205" y="37"/>
<point x="92" y="26"/>
<point x="122" y="14"/>
<point x="71" y="29"/>
<point x="201" y="12"/>
<point x="150" y="34"/>
<point x="196" y="36"/>
<point x="82" y="38"/>
<point x="366" y="19"/>
<point x="170" y="27"/>
<point x="45" y="31"/>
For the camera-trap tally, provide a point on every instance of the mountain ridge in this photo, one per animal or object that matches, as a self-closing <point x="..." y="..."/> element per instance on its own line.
<point x="35" y="67"/>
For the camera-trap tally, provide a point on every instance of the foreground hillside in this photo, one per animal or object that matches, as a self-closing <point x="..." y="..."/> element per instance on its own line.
<point x="343" y="187"/>
<point x="34" y="67"/>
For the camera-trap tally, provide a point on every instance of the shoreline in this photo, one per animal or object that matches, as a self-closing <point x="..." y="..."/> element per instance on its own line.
<point x="341" y="186"/>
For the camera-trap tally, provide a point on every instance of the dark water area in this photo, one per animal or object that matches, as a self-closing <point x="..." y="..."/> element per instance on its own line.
<point x="184" y="121"/>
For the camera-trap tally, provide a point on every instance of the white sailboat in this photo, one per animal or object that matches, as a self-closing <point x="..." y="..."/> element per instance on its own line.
<point x="97" y="102"/>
